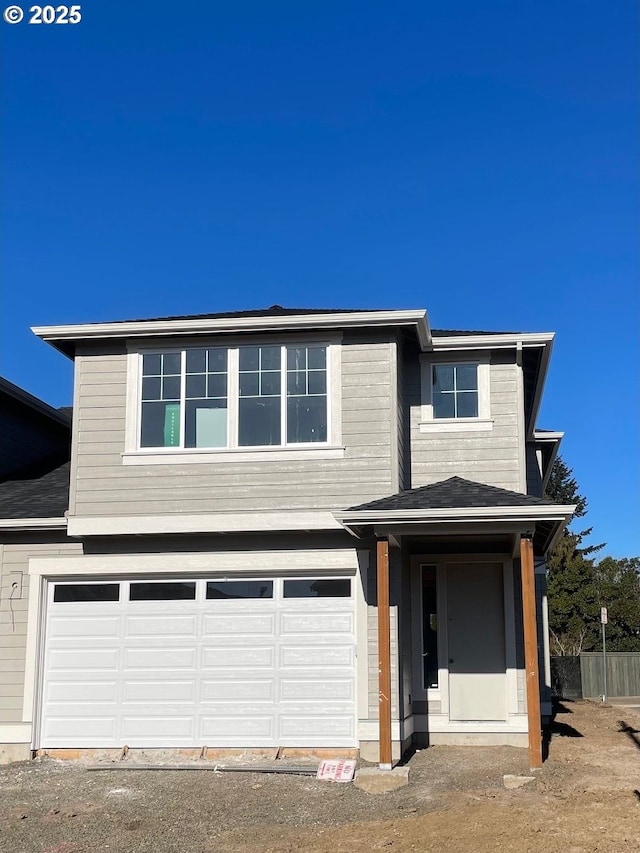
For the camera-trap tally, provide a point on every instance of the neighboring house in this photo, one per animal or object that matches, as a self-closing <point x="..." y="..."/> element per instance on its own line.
<point x="285" y="528"/>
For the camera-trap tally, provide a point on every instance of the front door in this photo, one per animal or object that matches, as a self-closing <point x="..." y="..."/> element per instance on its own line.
<point x="476" y="641"/>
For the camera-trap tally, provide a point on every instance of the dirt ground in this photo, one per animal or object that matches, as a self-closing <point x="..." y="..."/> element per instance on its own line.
<point x="586" y="798"/>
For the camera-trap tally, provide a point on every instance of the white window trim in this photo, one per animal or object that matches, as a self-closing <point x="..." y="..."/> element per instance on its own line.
<point x="330" y="449"/>
<point x="483" y="422"/>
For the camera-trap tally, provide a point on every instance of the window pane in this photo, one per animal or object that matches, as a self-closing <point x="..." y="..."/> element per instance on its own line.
<point x="296" y="358"/>
<point x="151" y="388"/>
<point x="467" y="404"/>
<point x="171" y="388"/>
<point x="151" y="364"/>
<point x="306" y="419"/>
<point x="171" y="363"/>
<point x="317" y="382"/>
<point x="196" y="361"/>
<point x="429" y="626"/>
<point x="86" y="592"/>
<point x="270" y="358"/>
<point x="161" y="591"/>
<point x="317" y="358"/>
<point x="443" y="377"/>
<point x="197" y="386"/>
<point x="270" y="383"/>
<point x="296" y="382"/>
<point x="467" y="377"/>
<point x="443" y="405"/>
<point x="239" y="589"/>
<point x="259" y="421"/>
<point x="217" y="385"/>
<point x="206" y="423"/>
<point x="160" y="425"/>
<point x="318" y="588"/>
<point x="249" y="358"/>
<point x="249" y="384"/>
<point x="217" y="360"/>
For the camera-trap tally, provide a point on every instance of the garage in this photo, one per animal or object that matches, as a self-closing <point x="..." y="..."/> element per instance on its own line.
<point x="241" y="662"/>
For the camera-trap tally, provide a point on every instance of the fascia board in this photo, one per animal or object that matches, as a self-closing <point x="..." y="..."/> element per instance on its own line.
<point x="146" y="328"/>
<point x="467" y="342"/>
<point x="33" y="524"/>
<point x="541" y="437"/>
<point x="537" y="513"/>
<point x="540" y="382"/>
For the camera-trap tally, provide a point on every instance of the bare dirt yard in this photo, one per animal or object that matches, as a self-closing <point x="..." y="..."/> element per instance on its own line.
<point x="587" y="798"/>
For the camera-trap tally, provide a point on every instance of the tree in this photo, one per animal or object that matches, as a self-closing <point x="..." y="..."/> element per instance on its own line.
<point x="578" y="586"/>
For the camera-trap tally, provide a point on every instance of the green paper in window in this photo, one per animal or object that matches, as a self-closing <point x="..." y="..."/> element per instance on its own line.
<point x="172" y="425"/>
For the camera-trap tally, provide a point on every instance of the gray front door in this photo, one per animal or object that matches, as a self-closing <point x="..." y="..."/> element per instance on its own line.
<point x="475" y="623"/>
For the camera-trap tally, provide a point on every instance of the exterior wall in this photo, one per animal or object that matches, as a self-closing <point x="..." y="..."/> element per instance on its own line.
<point x="491" y="456"/>
<point x="13" y="612"/>
<point x="27" y="436"/>
<point x="534" y="479"/>
<point x="103" y="486"/>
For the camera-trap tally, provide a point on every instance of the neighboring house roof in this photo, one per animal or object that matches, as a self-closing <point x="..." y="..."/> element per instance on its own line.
<point x="454" y="493"/>
<point x="60" y="416"/>
<point x="44" y="494"/>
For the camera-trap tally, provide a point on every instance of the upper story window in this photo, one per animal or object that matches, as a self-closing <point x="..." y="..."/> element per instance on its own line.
<point x="455" y="390"/>
<point x="242" y="397"/>
<point x="456" y="394"/>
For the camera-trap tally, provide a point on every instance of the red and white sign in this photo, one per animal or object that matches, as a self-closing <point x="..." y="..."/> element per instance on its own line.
<point x="337" y="770"/>
<point x="603" y="615"/>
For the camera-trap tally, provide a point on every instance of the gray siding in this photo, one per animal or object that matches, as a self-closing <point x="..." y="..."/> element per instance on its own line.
<point x="490" y="457"/>
<point x="372" y="647"/>
<point x="103" y="486"/>
<point x="13" y="618"/>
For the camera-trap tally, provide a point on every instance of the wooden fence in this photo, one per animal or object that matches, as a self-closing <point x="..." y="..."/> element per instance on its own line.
<point x="623" y="674"/>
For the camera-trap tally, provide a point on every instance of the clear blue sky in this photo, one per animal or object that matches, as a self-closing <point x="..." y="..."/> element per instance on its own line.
<point x="476" y="159"/>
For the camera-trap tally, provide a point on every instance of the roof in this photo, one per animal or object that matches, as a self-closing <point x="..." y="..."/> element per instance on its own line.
<point x="22" y="397"/>
<point x="454" y="493"/>
<point x="43" y="494"/>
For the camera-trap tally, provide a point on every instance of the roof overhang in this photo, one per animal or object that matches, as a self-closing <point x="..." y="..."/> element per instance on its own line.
<point x="65" y="338"/>
<point x="21" y="524"/>
<point x="547" y="521"/>
<point x="548" y="443"/>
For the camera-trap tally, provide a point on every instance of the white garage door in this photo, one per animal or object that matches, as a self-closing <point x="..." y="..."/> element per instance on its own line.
<point x="242" y="663"/>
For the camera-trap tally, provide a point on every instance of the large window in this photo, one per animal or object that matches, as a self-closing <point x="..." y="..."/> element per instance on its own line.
<point x="250" y="396"/>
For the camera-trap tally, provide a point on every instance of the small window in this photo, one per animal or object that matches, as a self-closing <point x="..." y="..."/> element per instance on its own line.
<point x="455" y="390"/>
<point x="318" y="588"/>
<point x="239" y="589"/>
<point x="429" y="626"/>
<point x="161" y="591"/>
<point x="68" y="592"/>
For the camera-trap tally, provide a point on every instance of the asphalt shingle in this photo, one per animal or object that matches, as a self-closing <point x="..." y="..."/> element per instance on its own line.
<point x="44" y="496"/>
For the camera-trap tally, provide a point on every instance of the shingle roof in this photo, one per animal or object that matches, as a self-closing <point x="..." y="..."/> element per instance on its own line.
<point x="40" y="496"/>
<point x="454" y="493"/>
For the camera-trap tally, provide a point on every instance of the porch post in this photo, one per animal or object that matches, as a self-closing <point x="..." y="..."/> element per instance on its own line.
<point x="384" y="654"/>
<point x="531" y="652"/>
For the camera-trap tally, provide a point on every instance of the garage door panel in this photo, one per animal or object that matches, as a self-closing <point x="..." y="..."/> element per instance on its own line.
<point x="227" y="657"/>
<point x="81" y="626"/>
<point x="239" y="623"/>
<point x="155" y="728"/>
<point x="163" y="625"/>
<point x="329" y="656"/>
<point x="74" y="659"/>
<point x="81" y="691"/>
<point x="228" y="690"/>
<point x="320" y="624"/>
<point x="159" y="691"/>
<point x="317" y="689"/>
<point x="146" y="658"/>
<point x="233" y="730"/>
<point x="297" y="726"/>
<point x="90" y="727"/>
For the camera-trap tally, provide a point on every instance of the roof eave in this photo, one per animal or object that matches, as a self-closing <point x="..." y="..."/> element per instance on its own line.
<point x="65" y="337"/>
<point x="544" y="512"/>
<point x="492" y="341"/>
<point x="20" y="524"/>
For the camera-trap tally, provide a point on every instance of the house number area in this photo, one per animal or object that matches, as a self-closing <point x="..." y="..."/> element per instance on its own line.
<point x="43" y="14"/>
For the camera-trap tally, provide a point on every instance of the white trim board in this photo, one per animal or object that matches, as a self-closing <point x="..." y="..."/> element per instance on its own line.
<point x="222" y="522"/>
<point x="15" y="733"/>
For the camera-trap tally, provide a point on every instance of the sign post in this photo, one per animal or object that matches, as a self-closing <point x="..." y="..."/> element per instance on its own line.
<point x="604" y="619"/>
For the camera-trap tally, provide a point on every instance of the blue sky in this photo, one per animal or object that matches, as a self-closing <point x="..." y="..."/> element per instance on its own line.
<point x="475" y="159"/>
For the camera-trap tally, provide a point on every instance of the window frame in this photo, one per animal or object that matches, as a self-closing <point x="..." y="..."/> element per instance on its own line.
<point x="135" y="453"/>
<point x="483" y="420"/>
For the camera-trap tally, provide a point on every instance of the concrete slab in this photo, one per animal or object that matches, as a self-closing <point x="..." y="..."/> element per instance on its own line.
<point x="513" y="782"/>
<point x="376" y="781"/>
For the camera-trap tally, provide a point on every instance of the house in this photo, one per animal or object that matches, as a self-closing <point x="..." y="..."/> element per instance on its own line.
<point x="313" y="529"/>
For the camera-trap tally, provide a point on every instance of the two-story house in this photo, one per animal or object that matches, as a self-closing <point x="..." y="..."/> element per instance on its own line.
<point x="318" y="529"/>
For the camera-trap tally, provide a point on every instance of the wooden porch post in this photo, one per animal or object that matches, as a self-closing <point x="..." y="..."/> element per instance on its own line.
<point x="531" y="652"/>
<point x="384" y="654"/>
